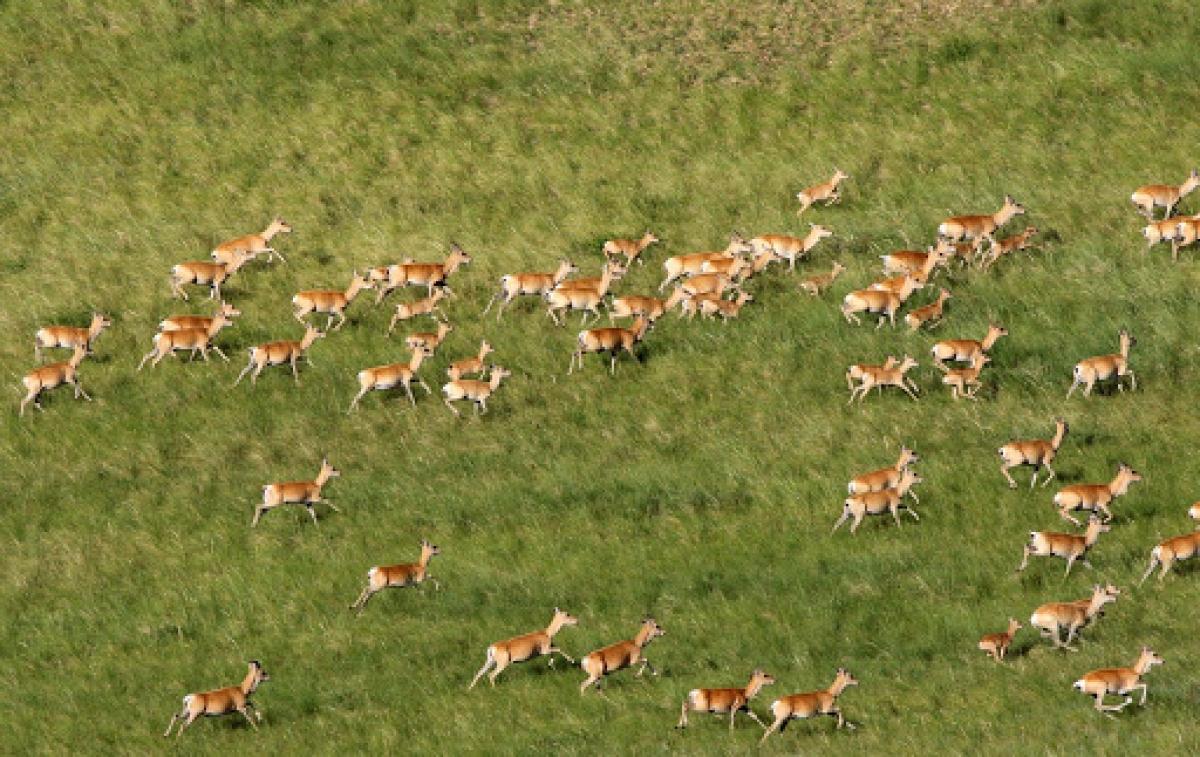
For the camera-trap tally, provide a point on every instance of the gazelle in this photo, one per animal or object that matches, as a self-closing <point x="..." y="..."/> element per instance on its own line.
<point x="817" y="284"/>
<point x="1104" y="367"/>
<point x="1171" y="551"/>
<point x="307" y="493"/>
<point x="522" y="648"/>
<point x="707" y="283"/>
<point x="475" y="391"/>
<point x="429" y="275"/>
<point x="884" y="478"/>
<point x="397" y="374"/>
<point x="633" y="305"/>
<point x="1038" y="453"/>
<point x="1187" y="231"/>
<point x="471" y="365"/>
<point x="898" y="285"/>
<point x="330" y="301"/>
<point x="1164" y="195"/>
<point x="996" y="644"/>
<point x="1166" y="230"/>
<point x="52" y="376"/>
<point x="632" y="249"/>
<point x="732" y="701"/>
<point x="928" y="315"/>
<point x="887" y="377"/>
<point x="692" y="303"/>
<point x="203" y="272"/>
<point x="1070" y="547"/>
<point x="222" y="701"/>
<point x="429" y="339"/>
<point x="612" y="340"/>
<point x="69" y="337"/>
<point x="725" y="308"/>
<point x="621" y="655"/>
<point x="1119" y="681"/>
<point x="1007" y="245"/>
<point x="516" y="284"/>
<point x="1095" y="497"/>
<point x="919" y="265"/>
<point x="756" y="266"/>
<point x="877" y="301"/>
<point x="858" y="506"/>
<point x="966" y="350"/>
<point x="1052" y="617"/>
<point x="180" y="322"/>
<point x="735" y="268"/>
<point x="429" y="306"/>
<point x="811" y="704"/>
<point x="829" y="191"/>
<point x="789" y="247"/>
<point x="398" y="576"/>
<point x="254" y="244"/>
<point x="690" y="265"/>
<point x="278" y="353"/>
<point x="962" y="228"/>
<point x="587" y="299"/>
<point x="201" y="340"/>
<point x="856" y="371"/>
<point x="611" y="271"/>
<point x="961" y="380"/>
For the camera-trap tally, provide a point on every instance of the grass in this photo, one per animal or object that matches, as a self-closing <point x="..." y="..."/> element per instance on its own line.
<point x="699" y="486"/>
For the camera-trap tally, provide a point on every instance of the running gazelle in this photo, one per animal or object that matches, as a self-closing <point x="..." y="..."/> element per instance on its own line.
<point x="222" y="701"/>
<point x="525" y="647"/>
<point x="730" y="700"/>
<point x="398" y="576"/>
<point x="1038" y="453"/>
<point x="1119" y="681"/>
<point x="621" y="655"/>
<point x="1104" y="367"/>
<point x="812" y="704"/>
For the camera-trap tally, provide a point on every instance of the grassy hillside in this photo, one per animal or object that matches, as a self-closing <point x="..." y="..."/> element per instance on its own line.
<point x="699" y="486"/>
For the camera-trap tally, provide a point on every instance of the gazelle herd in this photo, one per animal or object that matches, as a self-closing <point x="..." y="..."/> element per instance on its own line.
<point x="713" y="284"/>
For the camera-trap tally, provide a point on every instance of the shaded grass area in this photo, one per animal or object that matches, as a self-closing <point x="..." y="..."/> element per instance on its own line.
<point x="699" y="486"/>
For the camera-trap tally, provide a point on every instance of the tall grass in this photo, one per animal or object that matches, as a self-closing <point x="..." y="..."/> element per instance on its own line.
<point x="699" y="485"/>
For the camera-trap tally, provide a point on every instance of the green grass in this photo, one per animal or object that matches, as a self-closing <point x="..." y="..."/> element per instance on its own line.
<point x="699" y="486"/>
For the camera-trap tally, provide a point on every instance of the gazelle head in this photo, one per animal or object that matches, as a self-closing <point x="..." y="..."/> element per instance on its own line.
<point x="758" y="679"/>
<point x="648" y="239"/>
<point x="428" y="550"/>
<point x="843" y="679"/>
<point x="1192" y="181"/>
<point x="1147" y="660"/>
<point x="907" y="364"/>
<point x="738" y="245"/>
<point x="255" y="675"/>
<point x="1127" y="340"/>
<point x="907" y="456"/>
<point x="1014" y="625"/>
<point x="650" y="630"/>
<point x="1096" y="526"/>
<point x="563" y="619"/>
<point x="817" y="232"/>
<point x="279" y="226"/>
<point x="496" y="374"/>
<point x="100" y="321"/>
<point x="1012" y="207"/>
<point x="1194" y="512"/>
<point x="328" y="471"/>
<point x="839" y="176"/>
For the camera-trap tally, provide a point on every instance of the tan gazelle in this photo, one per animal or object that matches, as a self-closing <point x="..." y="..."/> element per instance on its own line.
<point x="962" y="228"/>
<point x="195" y="340"/>
<point x="222" y="701"/>
<point x="1037" y="453"/>
<point x="254" y="244"/>
<point x="332" y="302"/>
<point x="1105" y="367"/>
<point x="828" y="191"/>
<point x="1119" y="681"/>
<point x="966" y="350"/>
<point x="475" y="391"/>
<point x="1164" y="195"/>
<point x="817" y="284"/>
<point x="207" y="273"/>
<point x="1008" y="245"/>
<point x="428" y="275"/>
<point x="180" y="322"/>
<point x="858" y="506"/>
<point x="856" y="371"/>
<point x="878" y="301"/>
<point x="52" y="376"/>
<point x="633" y="305"/>
<point x="398" y="576"/>
<point x="883" y="478"/>
<point x="692" y="264"/>
<point x="471" y="365"/>
<point x="612" y="339"/>
<point x="278" y="353"/>
<point x="965" y="382"/>
<point x="390" y="376"/>
<point x="429" y="306"/>
<point x="69" y="337"/>
<point x="997" y="644"/>
<point x="730" y="700"/>
<point x="621" y="655"/>
<point x="430" y="339"/>
<point x="789" y="247"/>
<point x="630" y="249"/>
<point x="525" y="647"/>
<point x="1171" y="551"/>
<point x="812" y="704"/>
<point x="928" y="315"/>
<point x="1095" y="497"/>
<point x="515" y="284"/>
<point x="1052" y="617"/>
<point x="886" y="377"/>
<point x="307" y="493"/>
<point x="1070" y="547"/>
